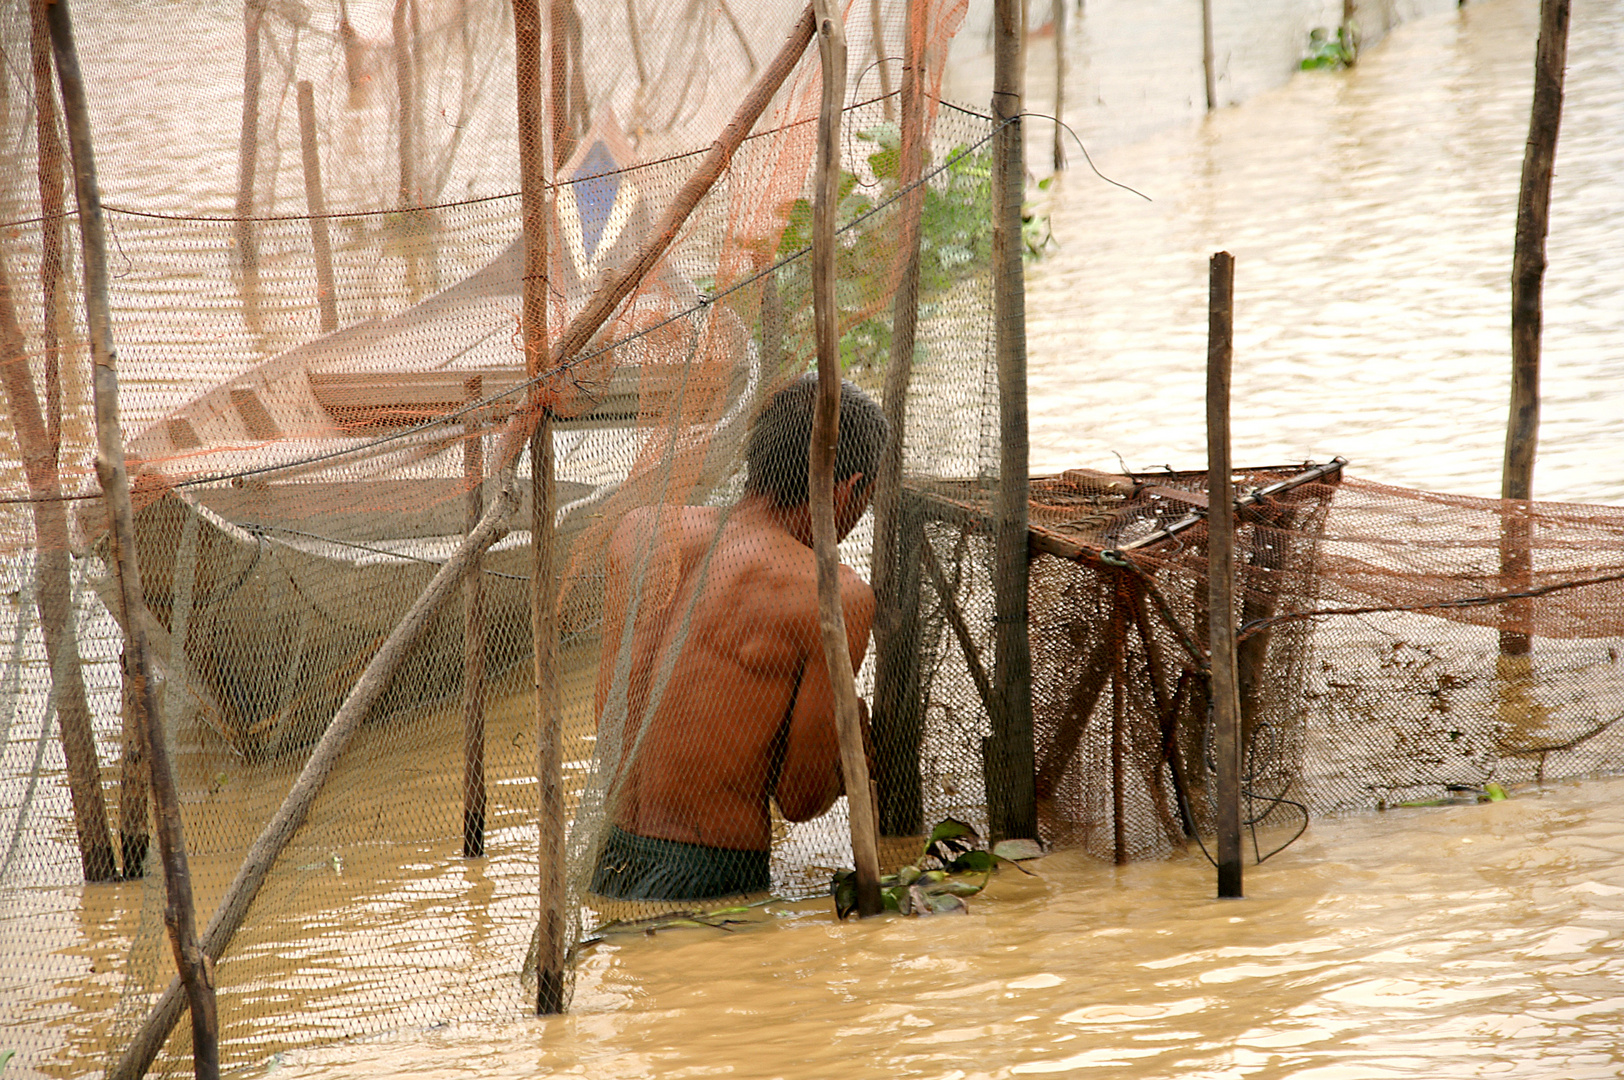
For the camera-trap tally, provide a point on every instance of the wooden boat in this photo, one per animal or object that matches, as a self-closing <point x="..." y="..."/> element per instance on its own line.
<point x="331" y="494"/>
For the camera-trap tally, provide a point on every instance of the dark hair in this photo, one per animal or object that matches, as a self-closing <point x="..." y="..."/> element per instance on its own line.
<point x="777" y="451"/>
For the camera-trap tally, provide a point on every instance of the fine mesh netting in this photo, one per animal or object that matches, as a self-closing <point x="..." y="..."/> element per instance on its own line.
<point x="324" y="393"/>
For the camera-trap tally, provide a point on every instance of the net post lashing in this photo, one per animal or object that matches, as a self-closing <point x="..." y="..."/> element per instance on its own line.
<point x="1008" y="752"/>
<point x="316" y="205"/>
<point x="195" y="969"/>
<point x="1221" y="575"/>
<point x="897" y="721"/>
<point x="1527" y="318"/>
<point x="825" y="431"/>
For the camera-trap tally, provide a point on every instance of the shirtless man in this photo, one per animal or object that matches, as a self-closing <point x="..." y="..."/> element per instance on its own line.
<point x="746" y="712"/>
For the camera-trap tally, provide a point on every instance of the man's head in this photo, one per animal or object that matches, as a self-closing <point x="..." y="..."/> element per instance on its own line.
<point x="777" y="453"/>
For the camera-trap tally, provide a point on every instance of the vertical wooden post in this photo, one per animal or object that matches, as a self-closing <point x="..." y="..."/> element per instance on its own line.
<point x="473" y="642"/>
<point x="1226" y="706"/>
<point x="558" y="95"/>
<point x="876" y="28"/>
<point x="831" y="37"/>
<point x="248" y="142"/>
<point x="1012" y="804"/>
<point x="54" y="594"/>
<point x="553" y="927"/>
<point x="1119" y="733"/>
<point x="1208" y="65"/>
<point x="316" y="207"/>
<point x="405" y="122"/>
<point x="1527" y="317"/>
<point x="1060" y="72"/>
<point x="48" y="149"/>
<point x="896" y="571"/>
<point x="110" y="470"/>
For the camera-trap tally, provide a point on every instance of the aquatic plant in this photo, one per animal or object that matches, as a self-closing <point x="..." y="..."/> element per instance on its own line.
<point x="1335" y="53"/>
<point x="938" y="882"/>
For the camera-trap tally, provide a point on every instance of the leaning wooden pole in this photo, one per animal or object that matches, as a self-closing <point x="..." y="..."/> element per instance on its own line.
<point x="897" y="727"/>
<point x="821" y="481"/>
<point x="876" y="29"/>
<point x="1527" y="316"/>
<point x="407" y="195"/>
<point x="115" y="483"/>
<point x="1012" y="800"/>
<point x="553" y="927"/>
<point x="48" y="149"/>
<point x="1226" y="706"/>
<point x="248" y="142"/>
<point x="316" y="206"/>
<point x="267" y="847"/>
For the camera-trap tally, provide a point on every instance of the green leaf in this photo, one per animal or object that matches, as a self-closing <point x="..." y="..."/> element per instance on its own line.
<point x="956" y="887"/>
<point x="5" y="1056"/>
<point x="950" y="829"/>
<point x="975" y="862"/>
<point x="908" y="875"/>
<point x="1495" y="792"/>
<point x="947" y="904"/>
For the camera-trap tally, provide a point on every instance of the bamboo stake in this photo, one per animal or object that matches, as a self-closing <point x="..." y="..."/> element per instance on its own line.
<point x="1226" y="707"/>
<point x="1208" y="69"/>
<point x="248" y="141"/>
<point x="256" y="865"/>
<point x="405" y="124"/>
<point x="877" y="32"/>
<point x="1013" y="804"/>
<point x="590" y="319"/>
<point x="115" y="481"/>
<point x="48" y="149"/>
<point x="1060" y="66"/>
<point x="473" y="643"/>
<point x="1119" y="689"/>
<point x="553" y="927"/>
<point x="1527" y="316"/>
<point x="895" y="680"/>
<point x="316" y="207"/>
<point x="54" y="595"/>
<point x="134" y="775"/>
<point x="821" y="481"/>
<point x="558" y="108"/>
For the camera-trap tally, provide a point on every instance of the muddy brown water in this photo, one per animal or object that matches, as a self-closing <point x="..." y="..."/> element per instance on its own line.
<point x="1370" y="212"/>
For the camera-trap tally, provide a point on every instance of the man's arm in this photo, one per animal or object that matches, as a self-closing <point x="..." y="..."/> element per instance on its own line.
<point x="810" y="780"/>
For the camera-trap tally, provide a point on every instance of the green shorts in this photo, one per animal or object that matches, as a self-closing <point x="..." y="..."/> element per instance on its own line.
<point x="632" y="867"/>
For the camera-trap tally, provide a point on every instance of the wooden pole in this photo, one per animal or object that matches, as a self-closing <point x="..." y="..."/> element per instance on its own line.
<point x="110" y="470"/>
<point x="1226" y="706"/>
<point x="821" y="481"/>
<point x="896" y="572"/>
<point x="316" y="206"/>
<point x="1060" y="71"/>
<point x="636" y="33"/>
<point x="405" y="123"/>
<point x="1012" y="804"/>
<point x="54" y="594"/>
<point x="876" y="26"/>
<point x="473" y="643"/>
<point x="1208" y="66"/>
<point x="579" y="330"/>
<point x="1527" y="316"/>
<point x="262" y="855"/>
<point x="553" y="927"/>
<point x="248" y="141"/>
<point x="558" y="94"/>
<point x="48" y="149"/>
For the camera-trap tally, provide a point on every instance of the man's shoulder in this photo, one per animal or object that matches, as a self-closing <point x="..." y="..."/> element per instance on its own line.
<point x="671" y="522"/>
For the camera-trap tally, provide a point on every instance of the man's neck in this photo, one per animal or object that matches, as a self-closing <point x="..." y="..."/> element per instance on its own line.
<point x="795" y="521"/>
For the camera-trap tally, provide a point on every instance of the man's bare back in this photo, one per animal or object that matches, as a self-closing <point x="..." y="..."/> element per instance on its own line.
<point x="746" y="712"/>
<point x="720" y="676"/>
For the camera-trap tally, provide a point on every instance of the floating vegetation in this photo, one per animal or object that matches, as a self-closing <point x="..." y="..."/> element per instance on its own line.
<point x="1335" y="53"/>
<point x="942" y="877"/>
